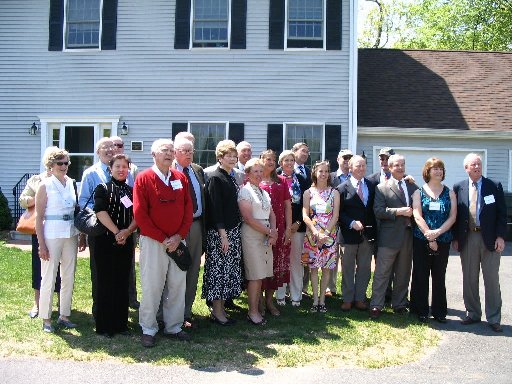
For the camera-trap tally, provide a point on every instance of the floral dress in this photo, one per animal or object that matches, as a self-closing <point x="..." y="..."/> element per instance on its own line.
<point x="321" y="205"/>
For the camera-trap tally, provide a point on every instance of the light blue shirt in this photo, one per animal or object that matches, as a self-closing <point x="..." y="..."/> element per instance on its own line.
<point x="342" y="176"/>
<point x="364" y="187"/>
<point x="196" y="186"/>
<point x="93" y="176"/>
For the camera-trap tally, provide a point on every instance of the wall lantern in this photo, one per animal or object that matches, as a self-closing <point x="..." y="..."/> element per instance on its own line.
<point x="33" y="129"/>
<point x="124" y="129"/>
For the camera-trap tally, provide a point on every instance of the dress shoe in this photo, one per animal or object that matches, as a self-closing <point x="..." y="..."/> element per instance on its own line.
<point x="228" y="322"/>
<point x="468" y="320"/>
<point x="440" y="319"/>
<point x="361" y="305"/>
<point x="375" y="313"/>
<point x="400" y="310"/>
<point x="48" y="328"/>
<point x="423" y="319"/>
<point x="261" y="322"/>
<point x="496" y="327"/>
<point x="66" y="323"/>
<point x="181" y="336"/>
<point x="346" y="306"/>
<point x="135" y="305"/>
<point x="147" y="341"/>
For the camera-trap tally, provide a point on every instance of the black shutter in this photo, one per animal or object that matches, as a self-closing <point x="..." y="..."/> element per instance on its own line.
<point x="178" y="127"/>
<point x="109" y="26"/>
<point x="276" y="24"/>
<point x="332" y="144"/>
<point x="238" y="23"/>
<point x="275" y="137"/>
<point x="333" y="25"/>
<point x="236" y="132"/>
<point x="182" y="24"/>
<point x="56" y="25"/>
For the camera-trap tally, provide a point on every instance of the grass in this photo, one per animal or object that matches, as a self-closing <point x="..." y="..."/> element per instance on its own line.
<point x="295" y="339"/>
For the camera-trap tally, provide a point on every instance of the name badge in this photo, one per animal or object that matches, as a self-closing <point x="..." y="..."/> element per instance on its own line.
<point x="321" y="207"/>
<point x="434" y="206"/>
<point x="176" y="184"/>
<point x="489" y="199"/>
<point x="126" y="201"/>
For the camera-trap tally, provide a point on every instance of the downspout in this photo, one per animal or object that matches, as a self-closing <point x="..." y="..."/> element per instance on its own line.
<point x="352" y="101"/>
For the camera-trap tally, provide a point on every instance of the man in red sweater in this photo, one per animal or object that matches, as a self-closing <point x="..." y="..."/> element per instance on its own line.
<point x="163" y="211"/>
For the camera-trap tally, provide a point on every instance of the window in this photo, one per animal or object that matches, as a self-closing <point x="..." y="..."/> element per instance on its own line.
<point x="305" y="20"/>
<point x="207" y="136"/>
<point x="311" y="134"/>
<point x="210" y="25"/>
<point x="83" y="23"/>
<point x="305" y="24"/>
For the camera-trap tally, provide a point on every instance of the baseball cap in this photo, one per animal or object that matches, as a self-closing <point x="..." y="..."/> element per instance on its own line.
<point x="386" y="151"/>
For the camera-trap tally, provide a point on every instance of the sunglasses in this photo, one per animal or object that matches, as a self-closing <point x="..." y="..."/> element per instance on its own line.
<point x="119" y="145"/>
<point x="347" y="157"/>
<point x="61" y="163"/>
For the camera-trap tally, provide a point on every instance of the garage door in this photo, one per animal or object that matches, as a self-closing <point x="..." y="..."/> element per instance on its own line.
<point x="453" y="159"/>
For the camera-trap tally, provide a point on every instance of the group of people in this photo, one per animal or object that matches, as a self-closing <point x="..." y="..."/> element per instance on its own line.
<point x="266" y="225"/>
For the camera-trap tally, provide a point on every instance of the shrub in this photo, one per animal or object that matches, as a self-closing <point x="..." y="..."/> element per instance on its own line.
<point x="5" y="213"/>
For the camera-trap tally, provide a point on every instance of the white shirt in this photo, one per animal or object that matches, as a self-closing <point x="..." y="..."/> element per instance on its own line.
<point x="61" y="201"/>
<point x="404" y="187"/>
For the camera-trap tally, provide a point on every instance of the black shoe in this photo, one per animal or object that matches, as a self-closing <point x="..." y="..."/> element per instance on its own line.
<point x="468" y="320"/>
<point x="135" y="305"/>
<point x="226" y="323"/>
<point x="423" y="319"/>
<point x="440" y="319"/>
<point x="181" y="336"/>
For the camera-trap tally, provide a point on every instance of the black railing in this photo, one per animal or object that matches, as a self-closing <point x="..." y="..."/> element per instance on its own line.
<point x="17" y="211"/>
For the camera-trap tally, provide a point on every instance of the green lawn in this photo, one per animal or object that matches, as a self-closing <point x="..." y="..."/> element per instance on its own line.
<point x="296" y="338"/>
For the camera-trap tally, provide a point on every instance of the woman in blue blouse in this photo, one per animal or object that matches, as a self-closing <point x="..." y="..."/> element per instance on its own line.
<point x="434" y="208"/>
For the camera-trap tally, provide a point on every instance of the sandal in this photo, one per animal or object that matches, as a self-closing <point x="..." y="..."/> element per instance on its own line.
<point x="314" y="309"/>
<point x="322" y="308"/>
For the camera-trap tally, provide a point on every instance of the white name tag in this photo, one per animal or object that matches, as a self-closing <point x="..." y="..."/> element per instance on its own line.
<point x="434" y="206"/>
<point x="126" y="201"/>
<point x="176" y="184"/>
<point x="321" y="207"/>
<point x="489" y="199"/>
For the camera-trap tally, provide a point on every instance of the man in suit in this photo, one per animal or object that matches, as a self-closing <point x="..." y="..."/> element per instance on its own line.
<point x="358" y="226"/>
<point x="479" y="234"/>
<point x="244" y="152"/>
<point x="96" y="174"/>
<point x="392" y="207"/>
<point x="183" y="156"/>
<point x="339" y="177"/>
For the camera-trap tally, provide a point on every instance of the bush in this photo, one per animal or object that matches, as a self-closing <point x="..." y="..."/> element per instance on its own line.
<point x="5" y="213"/>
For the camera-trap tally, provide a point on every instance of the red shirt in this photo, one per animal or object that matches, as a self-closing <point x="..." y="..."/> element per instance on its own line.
<point x="161" y="211"/>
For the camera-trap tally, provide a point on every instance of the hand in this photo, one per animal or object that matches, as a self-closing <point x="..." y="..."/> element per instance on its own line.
<point x="287" y="235"/>
<point x="455" y="245"/>
<point x="122" y="236"/>
<point x="294" y="227"/>
<point x="82" y="242"/>
<point x="357" y="226"/>
<point x="273" y="234"/>
<point x="431" y="234"/>
<point x="409" y="179"/>
<point x="499" y="244"/>
<point x="404" y="211"/>
<point x="224" y="243"/>
<point x="173" y="242"/>
<point x="433" y="245"/>
<point x="43" y="252"/>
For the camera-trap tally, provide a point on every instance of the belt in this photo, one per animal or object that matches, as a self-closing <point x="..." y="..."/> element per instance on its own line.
<point x="475" y="229"/>
<point x="67" y="217"/>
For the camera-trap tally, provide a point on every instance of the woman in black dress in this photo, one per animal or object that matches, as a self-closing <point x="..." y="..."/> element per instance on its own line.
<point x="222" y="279"/>
<point x="113" y="250"/>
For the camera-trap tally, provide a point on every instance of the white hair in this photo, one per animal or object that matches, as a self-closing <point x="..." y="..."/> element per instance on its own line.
<point x="243" y="144"/>
<point x="394" y="158"/>
<point x="179" y="142"/>
<point x="469" y="157"/>
<point x="159" y="143"/>
<point x="102" y="141"/>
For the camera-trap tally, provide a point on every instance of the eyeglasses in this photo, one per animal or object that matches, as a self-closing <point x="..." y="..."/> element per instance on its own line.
<point x="119" y="145"/>
<point x="186" y="151"/>
<point x="61" y="163"/>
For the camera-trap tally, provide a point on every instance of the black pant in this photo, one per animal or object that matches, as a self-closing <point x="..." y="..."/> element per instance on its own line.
<point x="94" y="275"/>
<point x="426" y="263"/>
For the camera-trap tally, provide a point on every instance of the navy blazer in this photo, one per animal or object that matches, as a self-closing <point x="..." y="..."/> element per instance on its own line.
<point x="493" y="216"/>
<point x="352" y="208"/>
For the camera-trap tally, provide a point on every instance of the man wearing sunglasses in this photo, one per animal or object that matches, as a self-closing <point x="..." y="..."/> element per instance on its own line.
<point x="132" y="287"/>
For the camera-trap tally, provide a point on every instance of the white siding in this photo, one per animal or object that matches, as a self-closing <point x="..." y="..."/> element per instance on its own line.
<point x="150" y="85"/>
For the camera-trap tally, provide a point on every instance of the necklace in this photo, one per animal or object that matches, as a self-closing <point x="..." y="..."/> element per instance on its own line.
<point x="265" y="204"/>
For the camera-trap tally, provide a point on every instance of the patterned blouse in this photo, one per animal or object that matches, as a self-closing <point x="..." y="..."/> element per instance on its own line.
<point x="435" y="217"/>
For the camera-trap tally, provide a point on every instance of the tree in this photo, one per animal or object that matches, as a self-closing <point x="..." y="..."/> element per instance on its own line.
<point x="378" y="24"/>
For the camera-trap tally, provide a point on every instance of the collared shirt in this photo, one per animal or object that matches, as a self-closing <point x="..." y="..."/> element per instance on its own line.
<point x="240" y="166"/>
<point x="478" y="196"/>
<point x="364" y="187"/>
<point x="166" y="179"/>
<point x="92" y="177"/>
<point x="197" y="188"/>
<point x="383" y="176"/>
<point x="343" y="177"/>
<point x="300" y="168"/>
<point x="404" y="187"/>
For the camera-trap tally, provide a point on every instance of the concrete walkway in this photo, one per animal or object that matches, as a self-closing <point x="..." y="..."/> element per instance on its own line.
<point x="466" y="354"/>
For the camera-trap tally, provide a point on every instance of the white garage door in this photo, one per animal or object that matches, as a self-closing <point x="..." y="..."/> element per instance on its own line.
<point x="453" y="159"/>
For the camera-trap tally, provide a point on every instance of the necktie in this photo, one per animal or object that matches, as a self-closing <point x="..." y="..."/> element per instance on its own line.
<point x="191" y="189"/>
<point x="473" y="195"/>
<point x="302" y="170"/>
<point x="387" y="175"/>
<point x="107" y="174"/>
<point x="360" y="190"/>
<point x="402" y="196"/>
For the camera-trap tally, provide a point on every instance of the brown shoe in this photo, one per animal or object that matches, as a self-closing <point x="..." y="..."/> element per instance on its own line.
<point x="181" y="336"/>
<point x="375" y="313"/>
<point x="496" y="327"/>
<point x="361" y="305"/>
<point x="147" y="341"/>
<point x="468" y="320"/>
<point x="346" y="306"/>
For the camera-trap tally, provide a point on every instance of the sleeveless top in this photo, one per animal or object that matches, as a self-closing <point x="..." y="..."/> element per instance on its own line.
<point x="61" y="200"/>
<point x="435" y="217"/>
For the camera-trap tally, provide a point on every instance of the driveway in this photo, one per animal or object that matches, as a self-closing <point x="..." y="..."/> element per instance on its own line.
<point x="466" y="354"/>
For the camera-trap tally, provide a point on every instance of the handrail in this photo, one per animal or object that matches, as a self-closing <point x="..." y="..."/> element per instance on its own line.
<point x="16" y="191"/>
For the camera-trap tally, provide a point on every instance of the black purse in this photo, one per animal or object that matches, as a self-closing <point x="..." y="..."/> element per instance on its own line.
<point x="87" y="222"/>
<point x="181" y="257"/>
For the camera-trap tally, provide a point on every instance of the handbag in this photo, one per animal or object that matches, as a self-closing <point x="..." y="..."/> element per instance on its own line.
<point x="181" y="257"/>
<point x="27" y="222"/>
<point x="87" y="222"/>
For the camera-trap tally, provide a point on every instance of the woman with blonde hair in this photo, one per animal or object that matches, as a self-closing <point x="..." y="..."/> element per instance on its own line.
<point x="320" y="213"/>
<point x="56" y="201"/>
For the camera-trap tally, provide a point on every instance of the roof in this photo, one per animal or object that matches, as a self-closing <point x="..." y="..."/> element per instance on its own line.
<point x="464" y="90"/>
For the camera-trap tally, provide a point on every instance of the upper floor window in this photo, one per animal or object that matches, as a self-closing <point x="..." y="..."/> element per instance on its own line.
<point x="311" y="134"/>
<point x="211" y="23"/>
<point x="305" y="19"/>
<point x="83" y="23"/>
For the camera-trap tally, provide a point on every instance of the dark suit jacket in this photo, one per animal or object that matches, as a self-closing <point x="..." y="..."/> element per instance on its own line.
<point x="352" y="208"/>
<point x="493" y="217"/>
<point x="374" y="178"/>
<point x="335" y="180"/>
<point x="391" y="227"/>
